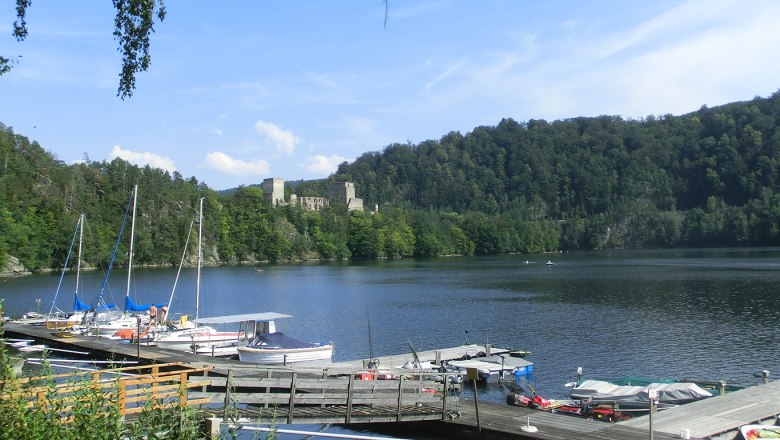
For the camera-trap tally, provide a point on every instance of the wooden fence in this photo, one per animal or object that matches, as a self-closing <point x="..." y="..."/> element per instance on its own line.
<point x="291" y="397"/>
<point x="162" y="385"/>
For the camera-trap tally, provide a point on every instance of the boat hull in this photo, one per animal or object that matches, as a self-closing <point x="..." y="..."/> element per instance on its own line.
<point x="283" y="356"/>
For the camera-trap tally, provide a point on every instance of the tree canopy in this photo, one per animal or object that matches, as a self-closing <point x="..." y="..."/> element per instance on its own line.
<point x="133" y="26"/>
<point x="707" y="178"/>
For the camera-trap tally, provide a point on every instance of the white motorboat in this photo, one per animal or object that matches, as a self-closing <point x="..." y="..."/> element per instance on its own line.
<point x="629" y="396"/>
<point x="280" y="349"/>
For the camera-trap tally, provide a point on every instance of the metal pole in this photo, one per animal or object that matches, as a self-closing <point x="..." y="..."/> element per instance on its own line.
<point x="138" y="340"/>
<point x="650" y="417"/>
<point x="652" y="395"/>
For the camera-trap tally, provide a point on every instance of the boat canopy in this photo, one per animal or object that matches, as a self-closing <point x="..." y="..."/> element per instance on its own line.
<point x="280" y="341"/>
<point x="256" y="317"/>
<point x="131" y="306"/>
<point x="667" y="392"/>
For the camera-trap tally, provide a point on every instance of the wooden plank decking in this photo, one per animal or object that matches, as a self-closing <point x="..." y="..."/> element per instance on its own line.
<point x="505" y="421"/>
<point x="720" y="416"/>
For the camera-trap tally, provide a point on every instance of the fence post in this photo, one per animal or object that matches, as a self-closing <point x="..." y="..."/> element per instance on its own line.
<point x="268" y="375"/>
<point x="292" y="398"/>
<point x="183" y="387"/>
<point x="322" y="390"/>
<point x="122" y="395"/>
<point x="400" y="397"/>
<point x="41" y="396"/>
<point x="444" y="396"/>
<point x="350" y="387"/>
<point x="227" y="395"/>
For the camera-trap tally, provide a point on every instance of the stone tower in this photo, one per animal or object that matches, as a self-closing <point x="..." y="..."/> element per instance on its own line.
<point x="273" y="189"/>
<point x="344" y="193"/>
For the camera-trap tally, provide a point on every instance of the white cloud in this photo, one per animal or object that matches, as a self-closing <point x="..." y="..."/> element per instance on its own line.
<point x="323" y="165"/>
<point x="220" y="161"/>
<point x="143" y="159"/>
<point x="284" y="140"/>
<point x="216" y="131"/>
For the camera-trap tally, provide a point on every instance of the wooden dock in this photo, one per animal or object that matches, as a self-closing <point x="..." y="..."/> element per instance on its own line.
<point x="719" y="417"/>
<point x="331" y="394"/>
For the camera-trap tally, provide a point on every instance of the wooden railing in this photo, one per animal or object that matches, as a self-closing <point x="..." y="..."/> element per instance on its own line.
<point x="163" y="385"/>
<point x="354" y="393"/>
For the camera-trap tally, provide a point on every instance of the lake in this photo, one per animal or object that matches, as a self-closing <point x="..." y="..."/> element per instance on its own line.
<point x="705" y="314"/>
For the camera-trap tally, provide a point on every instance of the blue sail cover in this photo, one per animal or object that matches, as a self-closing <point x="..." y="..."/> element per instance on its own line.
<point x="79" y="306"/>
<point x="279" y="341"/>
<point x="131" y="306"/>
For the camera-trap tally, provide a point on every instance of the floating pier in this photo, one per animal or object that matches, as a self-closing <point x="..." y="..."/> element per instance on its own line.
<point x="334" y="392"/>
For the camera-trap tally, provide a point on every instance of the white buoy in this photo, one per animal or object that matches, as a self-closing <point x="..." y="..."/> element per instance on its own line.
<point x="528" y="427"/>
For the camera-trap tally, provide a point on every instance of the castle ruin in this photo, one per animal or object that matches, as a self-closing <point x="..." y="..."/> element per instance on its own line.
<point x="342" y="193"/>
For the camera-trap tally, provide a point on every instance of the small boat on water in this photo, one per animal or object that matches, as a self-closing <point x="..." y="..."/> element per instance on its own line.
<point x="751" y="432"/>
<point x="550" y="263"/>
<point x="279" y="349"/>
<point x="670" y="393"/>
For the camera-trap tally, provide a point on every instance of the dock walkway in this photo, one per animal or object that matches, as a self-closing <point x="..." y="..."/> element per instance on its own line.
<point x="719" y="417"/>
<point x="716" y="418"/>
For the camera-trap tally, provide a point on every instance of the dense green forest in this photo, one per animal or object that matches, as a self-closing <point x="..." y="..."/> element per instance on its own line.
<point x="708" y="178"/>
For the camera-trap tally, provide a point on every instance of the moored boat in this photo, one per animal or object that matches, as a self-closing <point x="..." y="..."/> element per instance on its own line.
<point x="751" y="432"/>
<point x="670" y="393"/>
<point x="280" y="349"/>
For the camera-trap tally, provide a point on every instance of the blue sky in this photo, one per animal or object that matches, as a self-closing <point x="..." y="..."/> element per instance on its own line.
<point x="244" y="90"/>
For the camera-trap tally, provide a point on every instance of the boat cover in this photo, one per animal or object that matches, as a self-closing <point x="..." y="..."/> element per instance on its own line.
<point x="280" y="341"/>
<point x="79" y="306"/>
<point x="131" y="306"/>
<point x="667" y="392"/>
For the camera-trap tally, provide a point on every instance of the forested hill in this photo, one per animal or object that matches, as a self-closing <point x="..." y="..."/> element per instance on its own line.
<point x="719" y="165"/>
<point x="708" y="178"/>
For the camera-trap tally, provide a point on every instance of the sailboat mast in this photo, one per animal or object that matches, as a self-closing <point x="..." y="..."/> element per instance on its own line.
<point x="132" y="239"/>
<point x="200" y="255"/>
<point x="78" y="261"/>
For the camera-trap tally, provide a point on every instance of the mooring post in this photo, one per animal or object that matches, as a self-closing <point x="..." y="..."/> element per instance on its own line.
<point x="765" y="376"/>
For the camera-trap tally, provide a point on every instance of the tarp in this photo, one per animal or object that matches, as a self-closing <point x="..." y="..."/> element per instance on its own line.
<point x="667" y="392"/>
<point x="131" y="306"/>
<point x="278" y="340"/>
<point x="79" y="306"/>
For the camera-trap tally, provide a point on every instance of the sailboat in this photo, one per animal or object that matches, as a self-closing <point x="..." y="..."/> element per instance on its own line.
<point x="57" y="318"/>
<point x="105" y="319"/>
<point x="200" y="339"/>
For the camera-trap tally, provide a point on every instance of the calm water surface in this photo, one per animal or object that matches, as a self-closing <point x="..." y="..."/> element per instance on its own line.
<point x="705" y="314"/>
